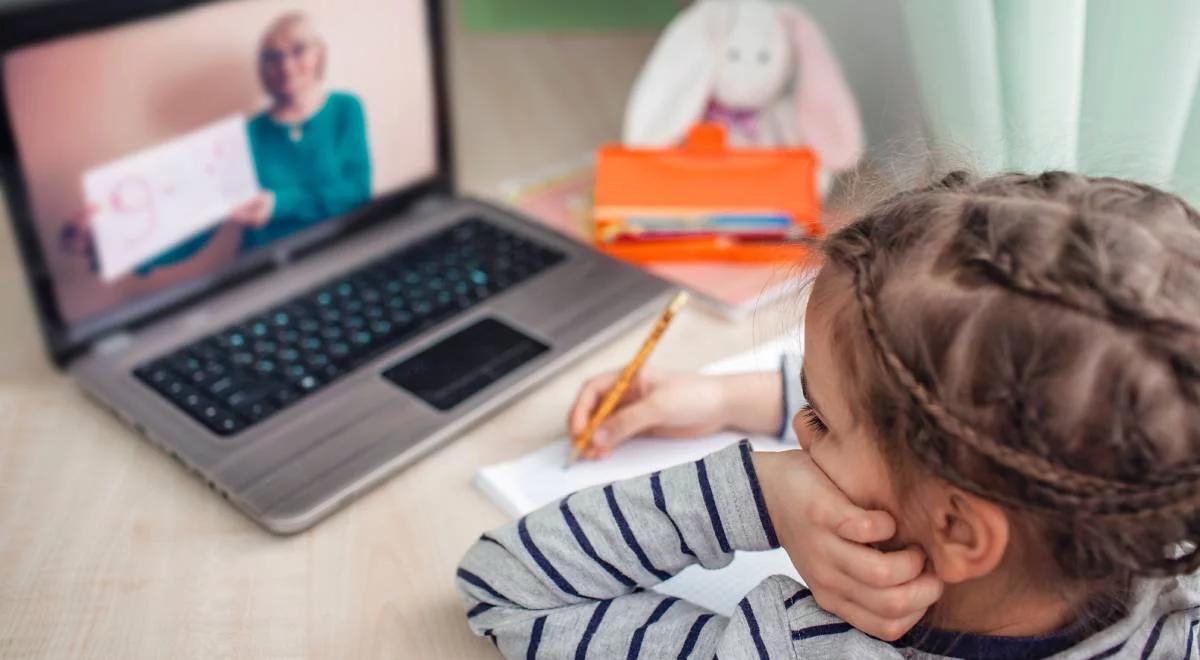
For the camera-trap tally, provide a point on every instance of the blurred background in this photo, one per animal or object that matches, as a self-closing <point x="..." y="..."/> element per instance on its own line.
<point x="536" y="81"/>
<point x="1103" y="86"/>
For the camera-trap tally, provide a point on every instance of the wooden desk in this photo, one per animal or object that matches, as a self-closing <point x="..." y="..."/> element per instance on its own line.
<point x="109" y="549"/>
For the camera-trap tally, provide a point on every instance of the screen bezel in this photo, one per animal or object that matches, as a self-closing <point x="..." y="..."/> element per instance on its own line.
<point x="30" y="24"/>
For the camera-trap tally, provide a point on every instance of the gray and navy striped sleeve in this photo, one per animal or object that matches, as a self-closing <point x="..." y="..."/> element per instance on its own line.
<point x="793" y="396"/>
<point x="572" y="579"/>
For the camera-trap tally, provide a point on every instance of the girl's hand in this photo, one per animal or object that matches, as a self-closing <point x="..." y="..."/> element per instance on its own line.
<point x="883" y="594"/>
<point x="257" y="212"/>
<point x="656" y="404"/>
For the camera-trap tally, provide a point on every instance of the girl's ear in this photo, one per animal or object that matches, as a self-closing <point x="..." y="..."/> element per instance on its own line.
<point x="969" y="535"/>
<point x="827" y="113"/>
<point x="673" y="89"/>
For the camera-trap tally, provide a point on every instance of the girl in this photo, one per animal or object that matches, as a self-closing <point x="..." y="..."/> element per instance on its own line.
<point x="1003" y="380"/>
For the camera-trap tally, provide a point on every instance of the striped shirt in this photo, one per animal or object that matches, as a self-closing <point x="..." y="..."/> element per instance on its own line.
<point x="575" y="580"/>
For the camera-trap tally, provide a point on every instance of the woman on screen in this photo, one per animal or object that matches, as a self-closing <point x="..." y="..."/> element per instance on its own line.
<point x="310" y="147"/>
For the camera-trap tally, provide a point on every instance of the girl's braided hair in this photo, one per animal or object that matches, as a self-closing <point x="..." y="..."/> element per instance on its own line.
<point x="1036" y="340"/>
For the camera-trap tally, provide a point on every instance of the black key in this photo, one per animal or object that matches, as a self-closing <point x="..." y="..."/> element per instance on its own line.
<point x="201" y="377"/>
<point x="226" y="424"/>
<point x="310" y="344"/>
<point x="210" y="412"/>
<point x="157" y="377"/>
<point x="331" y="315"/>
<point x="175" y="389"/>
<point x="193" y="401"/>
<point x="286" y="396"/>
<point x="232" y="339"/>
<point x="401" y="318"/>
<point x="185" y="364"/>
<point x="339" y="350"/>
<point x="259" y="391"/>
<point x="265" y="347"/>
<point x="329" y="371"/>
<point x="208" y="351"/>
<point x="309" y="383"/>
<point x="224" y="386"/>
<point x="256" y="410"/>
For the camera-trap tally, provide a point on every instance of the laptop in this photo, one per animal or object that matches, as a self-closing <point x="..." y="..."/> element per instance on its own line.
<point x="238" y="222"/>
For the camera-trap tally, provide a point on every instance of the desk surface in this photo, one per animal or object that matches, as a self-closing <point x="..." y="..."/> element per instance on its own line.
<point x="110" y="549"/>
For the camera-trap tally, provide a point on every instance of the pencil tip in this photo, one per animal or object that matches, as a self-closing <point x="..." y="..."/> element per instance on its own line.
<point x="678" y="301"/>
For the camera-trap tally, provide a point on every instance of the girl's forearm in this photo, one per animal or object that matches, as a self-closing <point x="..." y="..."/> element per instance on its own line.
<point x="754" y="402"/>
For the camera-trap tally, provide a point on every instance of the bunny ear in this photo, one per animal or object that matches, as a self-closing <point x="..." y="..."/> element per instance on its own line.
<point x="828" y="115"/>
<point x="673" y="89"/>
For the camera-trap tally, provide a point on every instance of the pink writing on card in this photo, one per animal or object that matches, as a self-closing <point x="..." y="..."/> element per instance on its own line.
<point x="146" y="203"/>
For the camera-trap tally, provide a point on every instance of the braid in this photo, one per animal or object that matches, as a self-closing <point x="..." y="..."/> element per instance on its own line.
<point x="1096" y="495"/>
<point x="1115" y="263"/>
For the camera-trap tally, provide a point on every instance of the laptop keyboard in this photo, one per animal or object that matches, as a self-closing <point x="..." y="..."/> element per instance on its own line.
<point x="240" y="376"/>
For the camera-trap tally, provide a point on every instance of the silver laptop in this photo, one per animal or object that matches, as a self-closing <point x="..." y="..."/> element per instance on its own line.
<point x="238" y="223"/>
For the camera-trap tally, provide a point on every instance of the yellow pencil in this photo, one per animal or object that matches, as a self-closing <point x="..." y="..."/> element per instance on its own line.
<point x="610" y="401"/>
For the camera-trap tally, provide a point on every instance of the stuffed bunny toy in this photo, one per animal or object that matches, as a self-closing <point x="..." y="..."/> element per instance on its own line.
<point x="760" y="68"/>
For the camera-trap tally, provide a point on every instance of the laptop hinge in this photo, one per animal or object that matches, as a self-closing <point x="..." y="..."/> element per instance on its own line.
<point x="113" y="343"/>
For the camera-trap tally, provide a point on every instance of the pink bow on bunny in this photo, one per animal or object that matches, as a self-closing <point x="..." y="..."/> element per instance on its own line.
<point x="761" y="68"/>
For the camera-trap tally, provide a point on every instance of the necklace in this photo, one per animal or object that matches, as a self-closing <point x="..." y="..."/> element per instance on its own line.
<point x="296" y="132"/>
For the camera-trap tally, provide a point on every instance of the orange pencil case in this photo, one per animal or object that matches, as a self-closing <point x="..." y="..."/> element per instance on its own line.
<point x="704" y="178"/>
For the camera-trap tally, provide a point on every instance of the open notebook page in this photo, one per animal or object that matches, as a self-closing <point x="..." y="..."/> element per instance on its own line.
<point x="538" y="478"/>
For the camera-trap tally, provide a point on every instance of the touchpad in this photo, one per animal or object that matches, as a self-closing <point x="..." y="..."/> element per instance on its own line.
<point x="460" y="365"/>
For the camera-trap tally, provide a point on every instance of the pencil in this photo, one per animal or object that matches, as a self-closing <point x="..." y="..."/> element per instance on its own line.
<point x="609" y="403"/>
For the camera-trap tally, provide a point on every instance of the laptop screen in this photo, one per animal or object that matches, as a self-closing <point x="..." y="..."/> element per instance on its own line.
<point x="168" y="151"/>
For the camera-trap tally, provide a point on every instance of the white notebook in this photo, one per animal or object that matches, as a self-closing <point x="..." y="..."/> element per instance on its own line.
<point x="538" y="478"/>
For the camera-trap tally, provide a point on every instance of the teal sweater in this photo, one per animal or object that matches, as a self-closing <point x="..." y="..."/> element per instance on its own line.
<point x="324" y="174"/>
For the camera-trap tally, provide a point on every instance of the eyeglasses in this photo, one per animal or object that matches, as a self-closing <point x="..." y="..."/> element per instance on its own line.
<point x="276" y="56"/>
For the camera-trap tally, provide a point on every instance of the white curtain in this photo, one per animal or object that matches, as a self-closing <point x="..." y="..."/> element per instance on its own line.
<point x="1099" y="86"/>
